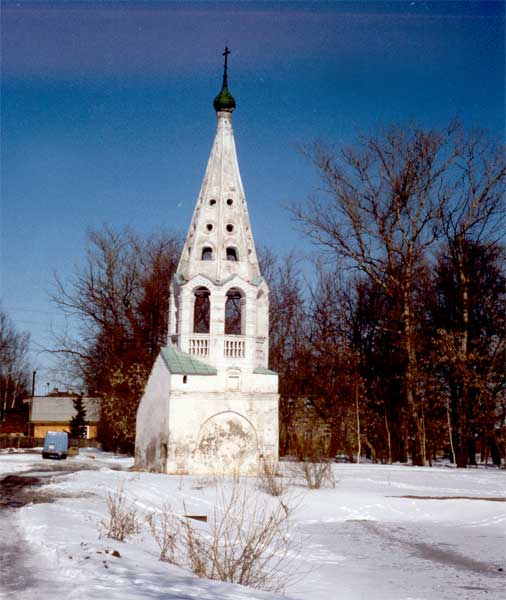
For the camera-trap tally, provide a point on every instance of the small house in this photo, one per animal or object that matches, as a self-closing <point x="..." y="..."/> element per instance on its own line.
<point x="53" y="413"/>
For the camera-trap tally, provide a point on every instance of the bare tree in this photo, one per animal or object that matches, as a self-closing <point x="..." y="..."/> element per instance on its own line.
<point x="472" y="221"/>
<point x="120" y="302"/>
<point x="385" y="208"/>
<point x="14" y="369"/>
<point x="381" y="214"/>
<point x="336" y="385"/>
<point x="469" y="348"/>
<point x="288" y="351"/>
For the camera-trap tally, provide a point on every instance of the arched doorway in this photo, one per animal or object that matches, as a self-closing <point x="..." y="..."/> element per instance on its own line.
<point x="227" y="444"/>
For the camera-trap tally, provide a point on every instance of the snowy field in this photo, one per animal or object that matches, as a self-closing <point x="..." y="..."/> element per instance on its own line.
<point x="383" y="533"/>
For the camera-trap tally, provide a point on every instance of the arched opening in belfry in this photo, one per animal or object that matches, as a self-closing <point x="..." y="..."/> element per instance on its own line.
<point x="234" y="318"/>
<point x="207" y="253"/>
<point x="201" y="310"/>
<point x="232" y="254"/>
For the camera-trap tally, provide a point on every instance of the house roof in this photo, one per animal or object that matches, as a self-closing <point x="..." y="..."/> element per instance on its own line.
<point x="51" y="409"/>
<point x="183" y="364"/>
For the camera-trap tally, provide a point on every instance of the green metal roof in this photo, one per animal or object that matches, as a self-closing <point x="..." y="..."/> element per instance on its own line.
<point x="178" y="278"/>
<point x="179" y="363"/>
<point x="264" y="371"/>
<point x="224" y="100"/>
<point x="257" y="280"/>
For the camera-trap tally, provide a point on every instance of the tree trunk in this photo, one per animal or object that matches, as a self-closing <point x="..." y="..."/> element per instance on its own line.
<point x="359" y="445"/>
<point x="389" y="439"/>
<point x="450" y="434"/>
<point x="410" y="382"/>
<point x="464" y="438"/>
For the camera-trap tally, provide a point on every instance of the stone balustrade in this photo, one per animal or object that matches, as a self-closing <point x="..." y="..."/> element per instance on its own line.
<point x="235" y="347"/>
<point x="199" y="345"/>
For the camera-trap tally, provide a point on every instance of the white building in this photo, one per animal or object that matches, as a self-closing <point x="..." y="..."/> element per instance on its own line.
<point x="211" y="403"/>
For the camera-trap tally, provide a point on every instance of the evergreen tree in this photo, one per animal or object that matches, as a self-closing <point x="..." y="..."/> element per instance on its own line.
<point x="78" y="421"/>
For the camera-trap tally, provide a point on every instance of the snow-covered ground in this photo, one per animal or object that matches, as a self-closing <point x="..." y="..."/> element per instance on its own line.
<point x="383" y="533"/>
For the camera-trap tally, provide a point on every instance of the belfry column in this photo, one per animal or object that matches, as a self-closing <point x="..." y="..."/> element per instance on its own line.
<point x="187" y="302"/>
<point x="217" y="325"/>
<point x="172" y="315"/>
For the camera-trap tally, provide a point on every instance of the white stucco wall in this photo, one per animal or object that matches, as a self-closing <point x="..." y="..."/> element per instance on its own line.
<point x="202" y="427"/>
<point x="152" y="431"/>
<point x="221" y="432"/>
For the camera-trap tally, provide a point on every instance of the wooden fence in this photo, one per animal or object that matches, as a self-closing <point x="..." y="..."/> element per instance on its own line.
<point x="24" y="442"/>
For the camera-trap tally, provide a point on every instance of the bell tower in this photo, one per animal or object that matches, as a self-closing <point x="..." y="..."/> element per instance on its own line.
<point x="219" y="300"/>
<point x="211" y="403"/>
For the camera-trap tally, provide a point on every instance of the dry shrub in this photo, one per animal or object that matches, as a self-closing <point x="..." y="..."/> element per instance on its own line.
<point x="313" y="464"/>
<point x="269" y="480"/>
<point x="122" y="521"/>
<point x="165" y="527"/>
<point x="246" y="540"/>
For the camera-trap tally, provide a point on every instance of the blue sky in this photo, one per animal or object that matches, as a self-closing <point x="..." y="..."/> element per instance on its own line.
<point x="106" y="112"/>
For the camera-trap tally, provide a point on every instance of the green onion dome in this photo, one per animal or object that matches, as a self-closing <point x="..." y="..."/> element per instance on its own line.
<point x="224" y="100"/>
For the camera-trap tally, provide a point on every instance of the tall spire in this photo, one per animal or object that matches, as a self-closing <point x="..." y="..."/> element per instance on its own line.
<point x="219" y="242"/>
<point x="224" y="101"/>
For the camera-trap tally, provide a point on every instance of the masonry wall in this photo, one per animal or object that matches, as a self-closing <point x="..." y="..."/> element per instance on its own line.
<point x="152" y="431"/>
<point x="222" y="432"/>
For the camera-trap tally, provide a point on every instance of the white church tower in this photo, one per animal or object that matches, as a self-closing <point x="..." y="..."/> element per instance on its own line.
<point x="211" y="403"/>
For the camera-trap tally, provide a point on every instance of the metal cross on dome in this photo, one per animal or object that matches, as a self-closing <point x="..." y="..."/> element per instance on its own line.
<point x="225" y="54"/>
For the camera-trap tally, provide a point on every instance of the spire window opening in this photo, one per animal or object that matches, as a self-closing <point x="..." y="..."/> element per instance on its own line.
<point x="229" y="201"/>
<point x="232" y="254"/>
<point x="212" y="202"/>
<point x="230" y="228"/>
<point x="233" y="313"/>
<point x="207" y="253"/>
<point x="201" y="310"/>
<point x="209" y="227"/>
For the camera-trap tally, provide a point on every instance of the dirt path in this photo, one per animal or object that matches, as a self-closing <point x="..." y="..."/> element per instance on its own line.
<point x="440" y="555"/>
<point x="434" y="561"/>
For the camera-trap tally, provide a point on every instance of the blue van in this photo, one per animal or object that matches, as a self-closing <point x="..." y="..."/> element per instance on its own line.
<point x="56" y="445"/>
